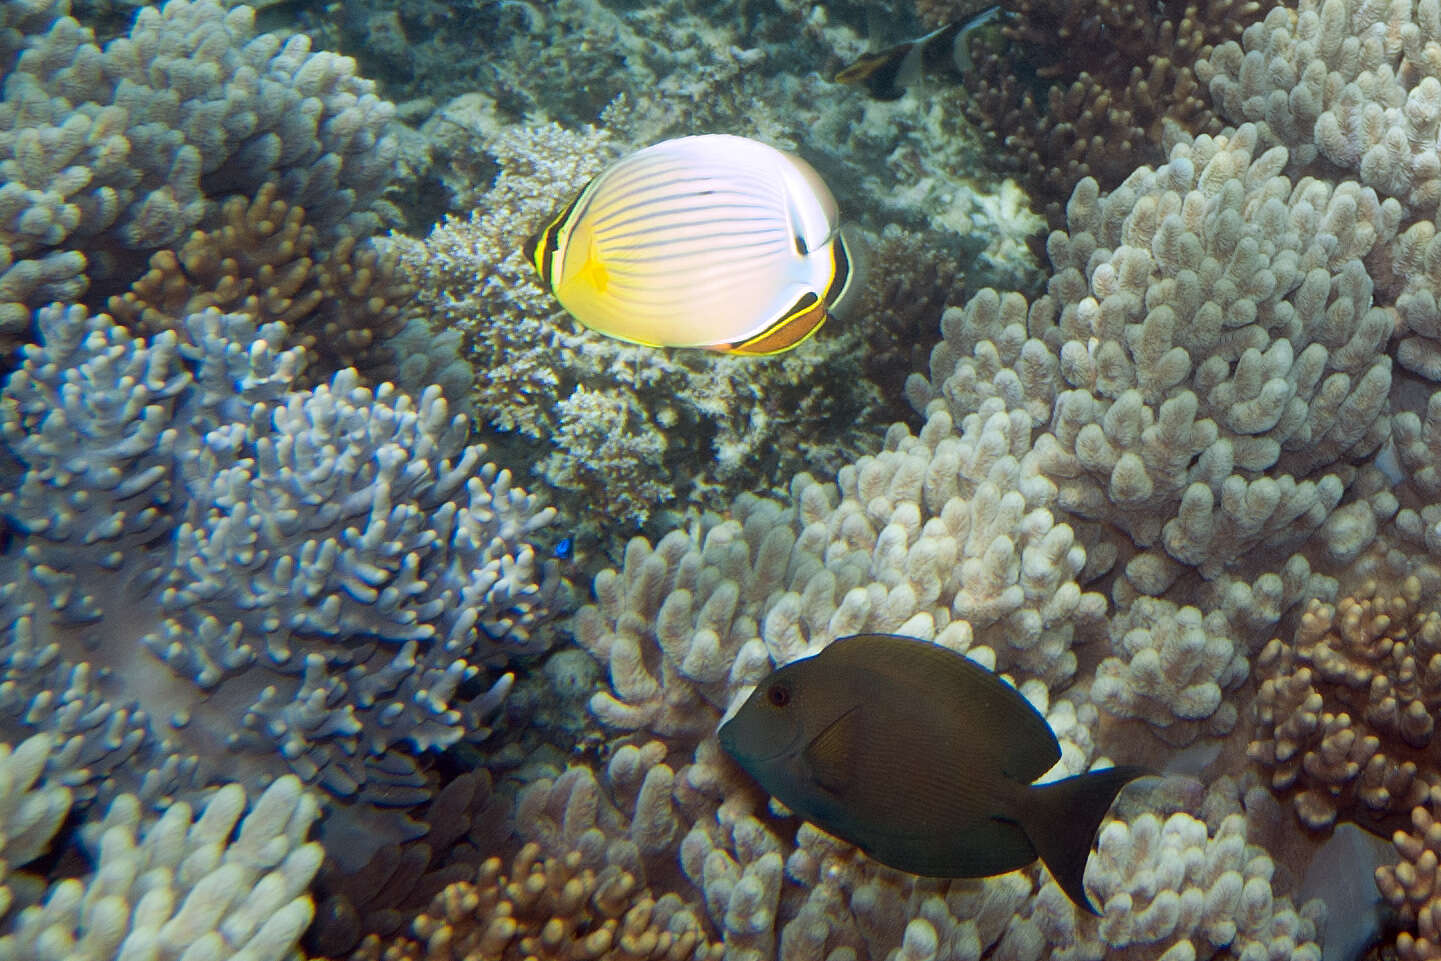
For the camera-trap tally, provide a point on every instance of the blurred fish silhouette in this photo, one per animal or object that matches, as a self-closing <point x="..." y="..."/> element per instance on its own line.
<point x="944" y="52"/>
<point x="923" y="759"/>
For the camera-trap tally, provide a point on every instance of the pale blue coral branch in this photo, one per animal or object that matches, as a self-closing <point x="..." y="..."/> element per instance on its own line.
<point x="216" y="570"/>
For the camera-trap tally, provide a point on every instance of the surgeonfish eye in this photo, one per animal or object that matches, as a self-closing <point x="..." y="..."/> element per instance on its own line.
<point x="712" y="241"/>
<point x="778" y="694"/>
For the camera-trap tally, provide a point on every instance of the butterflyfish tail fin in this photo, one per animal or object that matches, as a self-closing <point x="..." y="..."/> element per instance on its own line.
<point x="1063" y="817"/>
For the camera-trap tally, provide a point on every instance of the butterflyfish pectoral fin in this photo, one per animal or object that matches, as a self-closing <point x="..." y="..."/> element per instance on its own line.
<point x="796" y="326"/>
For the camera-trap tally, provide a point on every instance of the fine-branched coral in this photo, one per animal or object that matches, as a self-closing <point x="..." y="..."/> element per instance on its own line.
<point x="215" y="570"/>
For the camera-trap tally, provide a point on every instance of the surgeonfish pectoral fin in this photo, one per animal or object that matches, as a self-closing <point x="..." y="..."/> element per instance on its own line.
<point x="877" y="71"/>
<point x="831" y="755"/>
<point x="1063" y="817"/>
<point x="884" y="73"/>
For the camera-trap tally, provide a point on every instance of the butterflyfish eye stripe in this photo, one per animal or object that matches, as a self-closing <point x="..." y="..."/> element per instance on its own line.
<point x="542" y="247"/>
<point x="712" y="241"/>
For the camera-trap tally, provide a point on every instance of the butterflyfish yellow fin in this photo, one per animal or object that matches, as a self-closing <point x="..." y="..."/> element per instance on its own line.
<point x="831" y="755"/>
<point x="593" y="272"/>
<point x="795" y="327"/>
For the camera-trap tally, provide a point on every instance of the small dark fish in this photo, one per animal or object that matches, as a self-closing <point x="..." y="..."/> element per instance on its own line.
<point x="565" y="548"/>
<point x="923" y="759"/>
<point x="947" y="51"/>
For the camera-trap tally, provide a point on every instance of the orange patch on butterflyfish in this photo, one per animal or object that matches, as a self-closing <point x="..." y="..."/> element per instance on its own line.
<point x="799" y="323"/>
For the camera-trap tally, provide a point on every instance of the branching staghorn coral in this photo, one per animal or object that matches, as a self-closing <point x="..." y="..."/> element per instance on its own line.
<point x="215" y="570"/>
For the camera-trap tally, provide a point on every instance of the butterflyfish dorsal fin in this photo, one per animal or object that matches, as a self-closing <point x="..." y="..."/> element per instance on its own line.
<point x="831" y="755"/>
<point x="797" y="325"/>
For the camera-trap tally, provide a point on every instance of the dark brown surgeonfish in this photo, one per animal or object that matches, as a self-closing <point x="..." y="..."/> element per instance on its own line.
<point x="921" y="758"/>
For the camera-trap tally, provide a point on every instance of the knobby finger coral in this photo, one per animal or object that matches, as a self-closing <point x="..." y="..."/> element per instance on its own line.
<point x="32" y="808"/>
<point x="1345" y="710"/>
<point x="108" y="154"/>
<point x="1204" y="366"/>
<point x="228" y="883"/>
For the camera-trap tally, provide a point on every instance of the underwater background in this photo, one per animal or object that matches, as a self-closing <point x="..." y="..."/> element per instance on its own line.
<point x="356" y="602"/>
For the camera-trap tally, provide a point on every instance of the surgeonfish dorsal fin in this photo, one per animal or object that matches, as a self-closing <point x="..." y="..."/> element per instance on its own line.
<point x="831" y="754"/>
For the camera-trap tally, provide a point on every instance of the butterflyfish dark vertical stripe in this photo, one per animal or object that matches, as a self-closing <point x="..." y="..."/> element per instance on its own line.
<point x="840" y="271"/>
<point x="799" y="323"/>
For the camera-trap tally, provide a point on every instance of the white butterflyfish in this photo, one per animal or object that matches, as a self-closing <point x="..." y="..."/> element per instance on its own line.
<point x="710" y="241"/>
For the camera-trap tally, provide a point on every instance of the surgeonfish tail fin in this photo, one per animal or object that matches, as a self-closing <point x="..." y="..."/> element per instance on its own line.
<point x="1063" y="818"/>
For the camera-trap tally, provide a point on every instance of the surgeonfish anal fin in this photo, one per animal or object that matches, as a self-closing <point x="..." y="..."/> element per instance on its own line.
<point x="1062" y="818"/>
<point x="832" y="753"/>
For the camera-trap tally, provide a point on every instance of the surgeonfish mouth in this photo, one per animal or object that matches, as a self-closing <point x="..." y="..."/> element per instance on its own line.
<point x="923" y="759"/>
